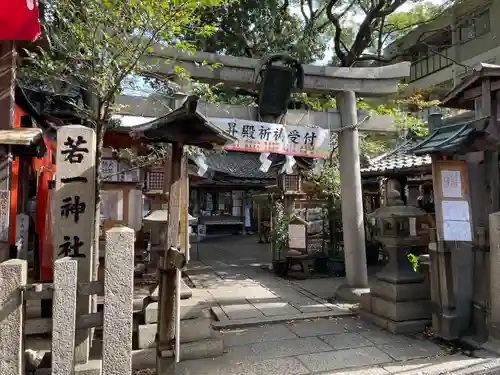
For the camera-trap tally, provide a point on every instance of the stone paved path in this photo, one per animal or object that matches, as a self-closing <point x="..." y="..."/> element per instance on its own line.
<point x="227" y="273"/>
<point x="332" y="346"/>
<point x="241" y="292"/>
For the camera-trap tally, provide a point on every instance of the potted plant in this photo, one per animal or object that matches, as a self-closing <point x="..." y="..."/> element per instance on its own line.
<point x="279" y="237"/>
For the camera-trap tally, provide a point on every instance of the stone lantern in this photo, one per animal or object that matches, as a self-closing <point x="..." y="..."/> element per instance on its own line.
<point x="399" y="298"/>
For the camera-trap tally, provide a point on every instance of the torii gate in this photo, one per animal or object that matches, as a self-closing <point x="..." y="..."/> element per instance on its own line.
<point x="345" y="83"/>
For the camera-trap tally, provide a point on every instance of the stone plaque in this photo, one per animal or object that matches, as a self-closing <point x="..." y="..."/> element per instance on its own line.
<point x="297" y="236"/>
<point x="75" y="192"/>
<point x="4" y="214"/>
<point x="74" y="212"/>
<point x="22" y="233"/>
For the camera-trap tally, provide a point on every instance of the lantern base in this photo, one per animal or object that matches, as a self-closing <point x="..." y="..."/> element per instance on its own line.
<point x="399" y="300"/>
<point x="409" y="326"/>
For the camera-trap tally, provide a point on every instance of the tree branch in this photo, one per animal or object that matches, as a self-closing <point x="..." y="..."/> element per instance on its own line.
<point x="337" y="40"/>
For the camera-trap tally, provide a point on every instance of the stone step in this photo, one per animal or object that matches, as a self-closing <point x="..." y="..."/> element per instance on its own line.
<point x="191" y="330"/>
<point x="190" y="308"/>
<point x="208" y="348"/>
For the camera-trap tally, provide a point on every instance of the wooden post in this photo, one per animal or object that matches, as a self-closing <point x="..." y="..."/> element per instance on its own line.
<point x="7" y="100"/>
<point x="490" y="157"/>
<point x="74" y="228"/>
<point x="167" y="269"/>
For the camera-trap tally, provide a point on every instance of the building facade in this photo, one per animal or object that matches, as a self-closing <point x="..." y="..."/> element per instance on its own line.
<point x="443" y="50"/>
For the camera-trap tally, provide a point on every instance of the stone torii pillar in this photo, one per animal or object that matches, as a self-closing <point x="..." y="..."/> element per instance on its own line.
<point x="352" y="197"/>
<point x="319" y="80"/>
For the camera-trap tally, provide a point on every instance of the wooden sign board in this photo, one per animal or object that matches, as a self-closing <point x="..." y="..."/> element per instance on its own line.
<point x="297" y="234"/>
<point x="22" y="233"/>
<point x="4" y="215"/>
<point x="452" y="200"/>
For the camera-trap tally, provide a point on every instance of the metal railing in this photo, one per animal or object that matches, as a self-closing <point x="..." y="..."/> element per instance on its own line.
<point x="430" y="64"/>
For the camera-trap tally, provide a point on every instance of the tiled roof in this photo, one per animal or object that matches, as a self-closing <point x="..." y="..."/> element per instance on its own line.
<point x="457" y="139"/>
<point x="237" y="164"/>
<point x="397" y="160"/>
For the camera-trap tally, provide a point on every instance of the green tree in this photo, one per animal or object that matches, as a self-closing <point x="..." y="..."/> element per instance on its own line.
<point x="254" y="28"/>
<point x="94" y="46"/>
<point x="359" y="29"/>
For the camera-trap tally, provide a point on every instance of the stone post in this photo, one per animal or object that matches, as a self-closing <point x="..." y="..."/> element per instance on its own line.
<point x="74" y="210"/>
<point x="13" y="275"/>
<point x="118" y="301"/>
<point x="350" y="186"/>
<point x="64" y="316"/>
<point x="494" y="231"/>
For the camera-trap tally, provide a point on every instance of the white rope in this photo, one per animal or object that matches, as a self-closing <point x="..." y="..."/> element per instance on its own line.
<point x="353" y="127"/>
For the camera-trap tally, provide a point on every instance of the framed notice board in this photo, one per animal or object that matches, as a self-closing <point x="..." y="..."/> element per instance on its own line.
<point x="452" y="200"/>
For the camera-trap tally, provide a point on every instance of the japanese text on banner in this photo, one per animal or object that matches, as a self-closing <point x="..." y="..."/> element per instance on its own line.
<point x="253" y="136"/>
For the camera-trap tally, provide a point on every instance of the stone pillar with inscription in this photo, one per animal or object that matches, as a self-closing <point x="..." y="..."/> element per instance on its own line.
<point x="74" y="196"/>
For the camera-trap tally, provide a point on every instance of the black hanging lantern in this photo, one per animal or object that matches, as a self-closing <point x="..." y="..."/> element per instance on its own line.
<point x="276" y="90"/>
<point x="277" y="82"/>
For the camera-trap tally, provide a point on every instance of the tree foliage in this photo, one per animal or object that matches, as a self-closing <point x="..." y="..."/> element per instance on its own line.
<point x="254" y="28"/>
<point x="94" y="46"/>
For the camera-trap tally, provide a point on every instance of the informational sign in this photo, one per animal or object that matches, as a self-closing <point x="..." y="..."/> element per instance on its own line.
<point x="4" y="214"/>
<point x="413" y="226"/>
<point x="456" y="220"/>
<point x="75" y="194"/>
<point x="263" y="137"/>
<point x="457" y="231"/>
<point x="109" y="169"/>
<point x="22" y="233"/>
<point x="451" y="184"/>
<point x="297" y="236"/>
<point x="455" y="210"/>
<point x="202" y="230"/>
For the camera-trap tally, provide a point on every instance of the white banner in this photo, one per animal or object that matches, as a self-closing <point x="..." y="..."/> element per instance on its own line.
<point x="263" y="137"/>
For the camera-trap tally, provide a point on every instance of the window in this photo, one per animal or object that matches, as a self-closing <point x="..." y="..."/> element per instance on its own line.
<point x="475" y="27"/>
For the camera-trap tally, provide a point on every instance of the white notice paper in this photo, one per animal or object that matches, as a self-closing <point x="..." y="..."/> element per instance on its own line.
<point x="297" y="236"/>
<point x="413" y="226"/>
<point x="451" y="183"/>
<point x="456" y="230"/>
<point x="456" y="210"/>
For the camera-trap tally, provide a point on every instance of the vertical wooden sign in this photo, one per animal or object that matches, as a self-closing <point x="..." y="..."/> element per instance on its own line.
<point x="22" y="233"/>
<point x="74" y="204"/>
<point x="4" y="215"/>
